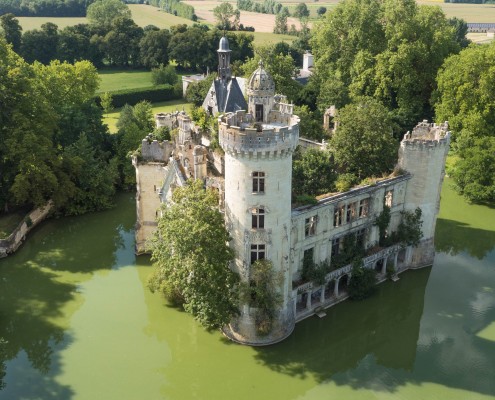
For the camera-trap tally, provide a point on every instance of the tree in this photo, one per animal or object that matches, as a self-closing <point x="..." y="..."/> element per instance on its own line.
<point x="164" y="74"/>
<point x="227" y="18"/>
<point x="11" y="30"/>
<point x="153" y="48"/>
<point x="106" y="102"/>
<point x="40" y="45"/>
<point x="196" y="92"/>
<point x="310" y="124"/>
<point x="465" y="99"/>
<point x="74" y="44"/>
<point x="301" y="11"/>
<point x="191" y="256"/>
<point x="280" y="66"/>
<point x="409" y="230"/>
<point x="122" y="42"/>
<point x="363" y="281"/>
<point x="133" y="125"/>
<point x="103" y="12"/>
<point x="190" y="47"/>
<point x="321" y="11"/>
<point x="313" y="173"/>
<point x="389" y="50"/>
<point x="262" y="294"/>
<point x="281" y="21"/>
<point x="363" y="144"/>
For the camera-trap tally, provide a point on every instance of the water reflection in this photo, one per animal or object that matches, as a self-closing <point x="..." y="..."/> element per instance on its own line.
<point x="385" y="326"/>
<point x="35" y="290"/>
<point x="454" y="237"/>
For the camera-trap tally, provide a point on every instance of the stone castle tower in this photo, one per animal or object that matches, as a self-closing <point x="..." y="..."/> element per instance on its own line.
<point x="422" y="153"/>
<point x="258" y="149"/>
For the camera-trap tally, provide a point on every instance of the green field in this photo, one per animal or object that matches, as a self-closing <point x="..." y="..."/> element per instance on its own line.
<point x="263" y="38"/>
<point x="116" y="79"/>
<point x="30" y="23"/>
<point x="111" y="119"/>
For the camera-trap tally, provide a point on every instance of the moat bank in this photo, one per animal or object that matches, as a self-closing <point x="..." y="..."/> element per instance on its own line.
<point x="81" y="324"/>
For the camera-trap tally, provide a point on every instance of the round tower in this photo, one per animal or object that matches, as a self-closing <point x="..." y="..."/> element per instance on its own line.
<point x="258" y="165"/>
<point x="422" y="153"/>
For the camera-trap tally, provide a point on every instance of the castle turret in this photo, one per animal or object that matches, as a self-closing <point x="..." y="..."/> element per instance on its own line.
<point x="224" y="51"/>
<point x="258" y="165"/>
<point x="423" y="153"/>
<point x="225" y="94"/>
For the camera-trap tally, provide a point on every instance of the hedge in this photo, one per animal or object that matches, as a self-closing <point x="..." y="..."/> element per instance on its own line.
<point x="153" y="94"/>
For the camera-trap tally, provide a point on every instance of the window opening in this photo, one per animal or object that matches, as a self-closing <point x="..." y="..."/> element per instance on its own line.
<point x="258" y="182"/>
<point x="258" y="252"/>
<point x="310" y="226"/>
<point x="258" y="218"/>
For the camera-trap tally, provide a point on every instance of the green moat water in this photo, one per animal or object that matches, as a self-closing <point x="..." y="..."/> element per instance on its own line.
<point x="79" y="323"/>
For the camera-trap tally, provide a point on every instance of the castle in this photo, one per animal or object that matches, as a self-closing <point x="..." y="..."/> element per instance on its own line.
<point x="253" y="177"/>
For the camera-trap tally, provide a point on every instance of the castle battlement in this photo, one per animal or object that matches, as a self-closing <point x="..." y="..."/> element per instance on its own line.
<point x="169" y="119"/>
<point x="153" y="150"/>
<point x="238" y="133"/>
<point x="425" y="132"/>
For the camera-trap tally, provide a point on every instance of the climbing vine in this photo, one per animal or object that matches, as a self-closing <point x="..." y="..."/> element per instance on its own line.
<point x="262" y="293"/>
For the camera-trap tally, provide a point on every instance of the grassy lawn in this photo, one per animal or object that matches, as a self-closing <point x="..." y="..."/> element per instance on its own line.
<point x="118" y="79"/>
<point x="111" y="119"/>
<point x="8" y="222"/>
<point x="262" y="38"/>
<point x="30" y="23"/>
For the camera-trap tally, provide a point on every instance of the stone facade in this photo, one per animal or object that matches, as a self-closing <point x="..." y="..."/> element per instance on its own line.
<point x="254" y="181"/>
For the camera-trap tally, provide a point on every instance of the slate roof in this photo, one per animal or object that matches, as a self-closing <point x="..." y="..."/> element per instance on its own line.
<point x="227" y="96"/>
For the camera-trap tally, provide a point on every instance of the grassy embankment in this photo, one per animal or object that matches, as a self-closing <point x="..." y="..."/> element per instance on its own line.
<point x="9" y="221"/>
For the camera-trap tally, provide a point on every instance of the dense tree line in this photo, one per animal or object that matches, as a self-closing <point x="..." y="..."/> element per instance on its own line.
<point x="266" y="7"/>
<point x="45" y="8"/>
<point x="120" y="42"/>
<point x="176" y="7"/>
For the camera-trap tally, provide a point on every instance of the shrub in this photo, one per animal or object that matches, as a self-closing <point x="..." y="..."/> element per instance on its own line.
<point x="164" y="75"/>
<point x="152" y="94"/>
<point x="363" y="281"/>
<point x="345" y="182"/>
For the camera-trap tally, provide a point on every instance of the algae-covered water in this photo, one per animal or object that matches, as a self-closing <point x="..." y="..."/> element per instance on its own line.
<point x="79" y="323"/>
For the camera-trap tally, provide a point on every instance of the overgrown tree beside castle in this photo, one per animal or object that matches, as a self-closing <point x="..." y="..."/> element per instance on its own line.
<point x="46" y="112"/>
<point x="280" y="66"/>
<point x="465" y="98"/>
<point x="363" y="144"/>
<point x="389" y="50"/>
<point x="191" y="256"/>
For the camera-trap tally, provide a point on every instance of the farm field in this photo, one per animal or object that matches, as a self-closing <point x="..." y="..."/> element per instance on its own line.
<point x="260" y="22"/>
<point x="143" y="15"/>
<point x="111" y="119"/>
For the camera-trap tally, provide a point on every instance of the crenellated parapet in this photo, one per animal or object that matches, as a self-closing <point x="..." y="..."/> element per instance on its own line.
<point x="239" y="135"/>
<point x="427" y="136"/>
<point x="153" y="150"/>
